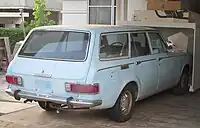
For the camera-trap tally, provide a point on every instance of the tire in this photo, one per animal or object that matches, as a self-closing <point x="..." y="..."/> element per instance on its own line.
<point x="116" y="113"/>
<point x="45" y="106"/>
<point x="182" y="87"/>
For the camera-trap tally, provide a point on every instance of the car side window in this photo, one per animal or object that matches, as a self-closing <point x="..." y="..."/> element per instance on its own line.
<point x="139" y="45"/>
<point x="114" y="45"/>
<point x="157" y="43"/>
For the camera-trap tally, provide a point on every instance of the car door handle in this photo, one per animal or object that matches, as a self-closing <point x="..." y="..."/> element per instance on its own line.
<point x="138" y="62"/>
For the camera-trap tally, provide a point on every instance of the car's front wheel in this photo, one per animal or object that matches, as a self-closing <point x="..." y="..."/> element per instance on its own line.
<point x="183" y="85"/>
<point x="123" y="108"/>
<point x="45" y="106"/>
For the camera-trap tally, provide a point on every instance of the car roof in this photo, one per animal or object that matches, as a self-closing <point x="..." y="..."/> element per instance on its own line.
<point x="96" y="28"/>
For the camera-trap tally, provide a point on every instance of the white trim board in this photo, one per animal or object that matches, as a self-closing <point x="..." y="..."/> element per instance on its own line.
<point x="159" y="24"/>
<point x="13" y="14"/>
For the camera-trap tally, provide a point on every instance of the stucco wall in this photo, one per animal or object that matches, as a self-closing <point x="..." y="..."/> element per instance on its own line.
<point x="12" y="3"/>
<point x="10" y="20"/>
<point x="54" y="5"/>
<point x="135" y="5"/>
<point x="75" y="12"/>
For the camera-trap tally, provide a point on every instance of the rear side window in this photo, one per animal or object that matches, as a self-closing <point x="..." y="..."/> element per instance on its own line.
<point x="157" y="42"/>
<point x="114" y="45"/>
<point x="66" y="45"/>
<point x="139" y="45"/>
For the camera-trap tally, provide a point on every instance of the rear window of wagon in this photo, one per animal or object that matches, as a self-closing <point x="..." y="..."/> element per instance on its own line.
<point x="61" y="45"/>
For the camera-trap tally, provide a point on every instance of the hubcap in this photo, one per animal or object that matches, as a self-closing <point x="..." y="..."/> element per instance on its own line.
<point x="126" y="102"/>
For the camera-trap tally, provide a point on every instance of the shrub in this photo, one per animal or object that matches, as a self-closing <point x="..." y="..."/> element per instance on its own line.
<point x="41" y="15"/>
<point x="15" y="35"/>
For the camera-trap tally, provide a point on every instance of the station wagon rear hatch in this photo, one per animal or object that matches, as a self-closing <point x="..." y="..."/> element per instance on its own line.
<point x="48" y="59"/>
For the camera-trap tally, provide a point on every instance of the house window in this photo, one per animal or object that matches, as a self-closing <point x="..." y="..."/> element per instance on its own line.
<point x="2" y="25"/>
<point x="102" y="11"/>
<point x="17" y="25"/>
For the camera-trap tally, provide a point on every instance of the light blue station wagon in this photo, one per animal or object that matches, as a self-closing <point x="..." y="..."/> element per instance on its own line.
<point x="95" y="67"/>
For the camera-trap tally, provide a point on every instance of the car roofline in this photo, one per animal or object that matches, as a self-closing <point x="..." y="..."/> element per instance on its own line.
<point x="95" y="28"/>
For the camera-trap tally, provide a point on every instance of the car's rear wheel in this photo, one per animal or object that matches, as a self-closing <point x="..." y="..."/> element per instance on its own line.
<point x="123" y="108"/>
<point x="45" y="105"/>
<point x="183" y="85"/>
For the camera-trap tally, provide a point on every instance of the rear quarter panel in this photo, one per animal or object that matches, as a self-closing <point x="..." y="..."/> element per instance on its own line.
<point x="112" y="80"/>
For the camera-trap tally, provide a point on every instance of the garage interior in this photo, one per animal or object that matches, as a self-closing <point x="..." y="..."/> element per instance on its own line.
<point x="179" y="22"/>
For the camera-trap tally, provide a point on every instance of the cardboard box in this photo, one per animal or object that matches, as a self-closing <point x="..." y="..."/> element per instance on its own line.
<point x="163" y="5"/>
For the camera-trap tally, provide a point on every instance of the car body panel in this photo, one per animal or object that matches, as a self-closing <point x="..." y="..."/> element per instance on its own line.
<point x="151" y="73"/>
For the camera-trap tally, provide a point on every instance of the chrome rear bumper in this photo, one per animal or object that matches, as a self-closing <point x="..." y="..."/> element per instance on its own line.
<point x="70" y="102"/>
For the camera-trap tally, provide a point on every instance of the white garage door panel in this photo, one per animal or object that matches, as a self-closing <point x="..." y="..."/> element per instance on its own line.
<point x="75" y="19"/>
<point x="75" y="5"/>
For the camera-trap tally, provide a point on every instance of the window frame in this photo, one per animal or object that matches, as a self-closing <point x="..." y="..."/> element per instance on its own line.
<point x="54" y="59"/>
<point x="89" y="2"/>
<point x="150" y="48"/>
<point x="115" y="58"/>
<point x="99" y="7"/>
<point x="161" y="37"/>
<point x="112" y="6"/>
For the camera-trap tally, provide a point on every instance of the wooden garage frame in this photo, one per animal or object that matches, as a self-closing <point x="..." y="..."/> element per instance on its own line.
<point x="5" y="53"/>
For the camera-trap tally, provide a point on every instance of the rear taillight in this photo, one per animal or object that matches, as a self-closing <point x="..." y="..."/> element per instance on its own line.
<point x="15" y="80"/>
<point x="82" y="88"/>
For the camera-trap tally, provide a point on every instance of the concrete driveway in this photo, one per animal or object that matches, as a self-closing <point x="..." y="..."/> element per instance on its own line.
<point x="7" y="103"/>
<point x="161" y="111"/>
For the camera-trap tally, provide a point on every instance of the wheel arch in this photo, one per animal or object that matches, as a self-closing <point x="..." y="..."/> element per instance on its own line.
<point x="133" y="83"/>
<point x="186" y="67"/>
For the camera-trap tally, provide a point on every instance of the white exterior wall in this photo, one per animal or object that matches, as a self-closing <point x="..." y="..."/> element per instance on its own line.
<point x="13" y="14"/>
<point x="75" y="12"/>
<point x="12" y="3"/>
<point x="10" y="26"/>
<point x="10" y="19"/>
<point x="10" y="22"/>
<point x="135" y="5"/>
<point x="53" y="5"/>
<point x="127" y="9"/>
